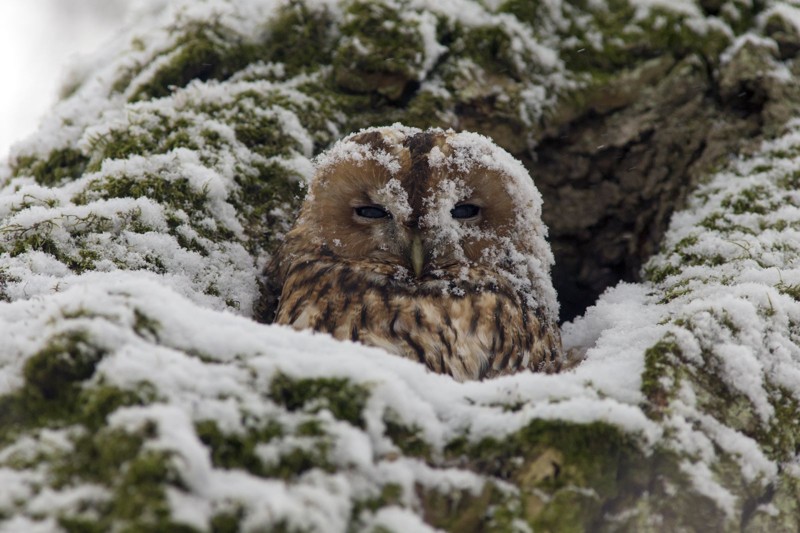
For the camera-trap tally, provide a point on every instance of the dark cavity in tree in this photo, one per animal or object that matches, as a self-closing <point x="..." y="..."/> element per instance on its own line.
<point x="614" y="170"/>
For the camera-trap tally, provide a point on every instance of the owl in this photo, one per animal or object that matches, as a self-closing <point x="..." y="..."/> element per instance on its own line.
<point x="428" y="244"/>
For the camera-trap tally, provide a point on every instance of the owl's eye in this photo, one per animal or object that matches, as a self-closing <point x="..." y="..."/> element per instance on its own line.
<point x="465" y="211"/>
<point x="371" y="211"/>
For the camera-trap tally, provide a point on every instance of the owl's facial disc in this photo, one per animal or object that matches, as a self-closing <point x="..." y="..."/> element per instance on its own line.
<point x="412" y="220"/>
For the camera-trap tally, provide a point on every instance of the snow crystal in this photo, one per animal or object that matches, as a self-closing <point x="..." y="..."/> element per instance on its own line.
<point x="744" y="40"/>
<point x="393" y="518"/>
<point x="644" y="8"/>
<point x="395" y="198"/>
<point x="21" y="523"/>
<point x="426" y="25"/>
<point x="785" y="11"/>
<point x="348" y="150"/>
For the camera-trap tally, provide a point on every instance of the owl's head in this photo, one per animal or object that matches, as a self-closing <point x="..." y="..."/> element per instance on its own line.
<point x="431" y="207"/>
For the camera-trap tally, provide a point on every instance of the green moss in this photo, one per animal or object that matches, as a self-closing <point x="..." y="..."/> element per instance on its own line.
<point x="659" y="273"/>
<point x="665" y="366"/>
<point x="147" y="131"/>
<point x="5" y="279"/>
<point x="686" y="242"/>
<point x="789" y="290"/>
<point x="37" y="237"/>
<point x="721" y="222"/>
<point x="297" y="461"/>
<point x="576" y="446"/>
<point x="391" y="494"/>
<point x="140" y="494"/>
<point x="178" y="193"/>
<point x="379" y="27"/>
<point x="603" y="40"/>
<point x="297" y="36"/>
<point x="144" y="326"/>
<point x="427" y="110"/>
<point x="461" y="511"/>
<point x="749" y="201"/>
<point x="96" y="402"/>
<point x="785" y="498"/>
<point x="54" y="372"/>
<point x="579" y="52"/>
<point x="742" y="15"/>
<point x="676" y="291"/>
<point x="267" y="201"/>
<point x="529" y="11"/>
<point x="72" y="524"/>
<point x="239" y="450"/>
<point x="265" y="134"/>
<point x="781" y="440"/>
<point x="408" y="439"/>
<point x="570" y="475"/>
<point x="300" y="38"/>
<point x="490" y="47"/>
<point x="202" y="52"/>
<point x="236" y="450"/>
<point x="262" y="134"/>
<point x="679" y="261"/>
<point x="345" y="400"/>
<point x="659" y="379"/>
<point x="227" y="522"/>
<point x="59" y="165"/>
<point x="55" y="392"/>
<point x="135" y="476"/>
<point x="150" y="131"/>
<point x="268" y="192"/>
<point x="98" y="457"/>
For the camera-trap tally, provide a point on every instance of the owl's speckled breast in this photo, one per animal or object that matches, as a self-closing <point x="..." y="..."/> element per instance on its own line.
<point x="471" y="333"/>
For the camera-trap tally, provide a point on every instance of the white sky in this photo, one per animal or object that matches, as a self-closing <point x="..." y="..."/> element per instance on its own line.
<point x="38" y="39"/>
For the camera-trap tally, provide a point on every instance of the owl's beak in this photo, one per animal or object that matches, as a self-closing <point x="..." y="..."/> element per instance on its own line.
<point x="417" y="255"/>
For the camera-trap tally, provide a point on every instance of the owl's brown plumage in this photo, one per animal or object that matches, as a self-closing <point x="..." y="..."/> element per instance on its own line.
<point x="428" y="244"/>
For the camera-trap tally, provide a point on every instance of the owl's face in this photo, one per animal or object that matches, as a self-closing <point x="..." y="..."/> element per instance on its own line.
<point x="428" y="205"/>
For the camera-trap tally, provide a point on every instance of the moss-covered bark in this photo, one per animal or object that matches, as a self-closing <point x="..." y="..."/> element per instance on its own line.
<point x="182" y="164"/>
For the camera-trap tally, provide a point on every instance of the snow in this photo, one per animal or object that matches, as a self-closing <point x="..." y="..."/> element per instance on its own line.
<point x="736" y="322"/>
<point x="644" y="8"/>
<point x="240" y="358"/>
<point x="357" y="153"/>
<point x="785" y="11"/>
<point x="745" y="40"/>
<point x="395" y="518"/>
<point x="616" y="331"/>
<point x="725" y="301"/>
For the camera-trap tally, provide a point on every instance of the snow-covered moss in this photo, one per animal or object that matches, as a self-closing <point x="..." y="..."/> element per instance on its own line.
<point x="728" y="361"/>
<point x="134" y="227"/>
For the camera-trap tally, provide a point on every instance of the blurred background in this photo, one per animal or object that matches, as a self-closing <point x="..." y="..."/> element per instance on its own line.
<point x="39" y="39"/>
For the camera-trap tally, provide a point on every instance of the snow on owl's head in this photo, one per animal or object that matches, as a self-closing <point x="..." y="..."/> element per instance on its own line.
<point x="431" y="205"/>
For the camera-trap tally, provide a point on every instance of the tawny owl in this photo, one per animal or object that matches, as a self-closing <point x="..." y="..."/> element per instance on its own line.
<point x="428" y="244"/>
